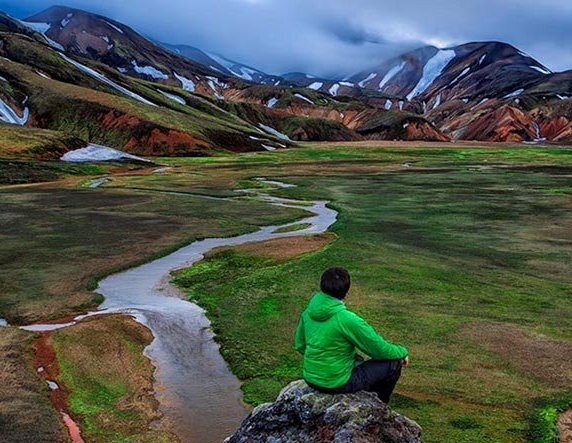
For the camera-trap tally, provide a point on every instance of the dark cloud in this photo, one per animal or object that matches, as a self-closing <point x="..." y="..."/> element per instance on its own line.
<point x="333" y="36"/>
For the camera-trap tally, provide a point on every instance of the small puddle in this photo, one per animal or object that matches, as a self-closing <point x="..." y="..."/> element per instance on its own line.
<point x="199" y="396"/>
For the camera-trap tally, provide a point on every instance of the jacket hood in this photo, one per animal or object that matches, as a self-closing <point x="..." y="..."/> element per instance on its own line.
<point x="322" y="307"/>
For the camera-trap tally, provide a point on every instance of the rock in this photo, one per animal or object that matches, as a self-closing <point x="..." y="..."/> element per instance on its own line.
<point x="301" y="414"/>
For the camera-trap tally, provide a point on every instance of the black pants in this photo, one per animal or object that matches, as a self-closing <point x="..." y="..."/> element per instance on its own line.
<point x="379" y="376"/>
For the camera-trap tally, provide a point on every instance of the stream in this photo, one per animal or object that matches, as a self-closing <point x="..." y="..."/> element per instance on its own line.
<point x="199" y="397"/>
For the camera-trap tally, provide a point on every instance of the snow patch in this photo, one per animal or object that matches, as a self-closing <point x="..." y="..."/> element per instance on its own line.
<point x="8" y="115"/>
<point x="271" y="102"/>
<point x="41" y="74"/>
<point x="114" y="27"/>
<point x="98" y="153"/>
<point x="367" y="79"/>
<point x="541" y="70"/>
<point x="401" y="103"/>
<point x="437" y="101"/>
<point x="390" y="74"/>
<point x="52" y="385"/>
<point x="482" y="59"/>
<point x="3" y="79"/>
<point x="388" y="105"/>
<point x="274" y="132"/>
<point x="188" y="85"/>
<point x="122" y="70"/>
<point x="334" y="89"/>
<point x="349" y="84"/>
<point x="65" y="21"/>
<point x="515" y="93"/>
<point x="316" y="85"/>
<point x="432" y="70"/>
<point x="462" y="74"/>
<point x="213" y="81"/>
<point x="406" y="125"/>
<point x="302" y="97"/>
<point x="484" y="100"/>
<point x="151" y="71"/>
<point x="237" y="69"/>
<point x="173" y="97"/>
<point x="42" y="28"/>
<point x="269" y="148"/>
<point x="562" y="97"/>
<point x="3" y="323"/>
<point x="105" y="80"/>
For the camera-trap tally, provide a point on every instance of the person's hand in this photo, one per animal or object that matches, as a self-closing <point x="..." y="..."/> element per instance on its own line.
<point x="405" y="362"/>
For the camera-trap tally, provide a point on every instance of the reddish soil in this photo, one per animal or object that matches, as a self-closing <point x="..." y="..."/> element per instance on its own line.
<point x="45" y="357"/>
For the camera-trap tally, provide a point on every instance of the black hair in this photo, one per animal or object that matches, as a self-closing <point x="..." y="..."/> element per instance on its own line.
<point x="335" y="282"/>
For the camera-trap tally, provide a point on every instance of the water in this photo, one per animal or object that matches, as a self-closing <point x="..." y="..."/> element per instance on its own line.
<point x="200" y="398"/>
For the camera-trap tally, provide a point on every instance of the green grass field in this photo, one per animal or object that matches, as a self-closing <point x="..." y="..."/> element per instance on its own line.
<point x="461" y="253"/>
<point x="467" y="266"/>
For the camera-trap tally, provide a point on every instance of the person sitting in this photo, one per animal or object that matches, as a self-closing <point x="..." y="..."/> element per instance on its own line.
<point x="329" y="337"/>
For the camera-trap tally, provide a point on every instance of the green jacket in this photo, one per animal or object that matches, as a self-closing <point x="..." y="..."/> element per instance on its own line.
<point x="328" y="336"/>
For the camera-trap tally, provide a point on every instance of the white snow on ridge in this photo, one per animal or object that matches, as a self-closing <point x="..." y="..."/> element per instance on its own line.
<point x="151" y="71"/>
<point x="316" y="85"/>
<point x="107" y="81"/>
<point x="41" y="74"/>
<point x="42" y="28"/>
<point x="65" y="21"/>
<point x="188" y="85"/>
<point x="462" y="74"/>
<point x="390" y="74"/>
<point x="437" y="101"/>
<point x="432" y="70"/>
<point x="302" y="97"/>
<point x="213" y="81"/>
<point x="388" y="105"/>
<point x="349" y="84"/>
<point x="241" y="71"/>
<point x="515" y="93"/>
<point x="482" y="59"/>
<point x="114" y="27"/>
<point x="173" y="97"/>
<point x="98" y="153"/>
<point x="334" y="89"/>
<point x="274" y="132"/>
<point x="562" y="97"/>
<point x="269" y="148"/>
<point x="8" y="115"/>
<point x="367" y="79"/>
<point x="541" y="70"/>
<point x="272" y="102"/>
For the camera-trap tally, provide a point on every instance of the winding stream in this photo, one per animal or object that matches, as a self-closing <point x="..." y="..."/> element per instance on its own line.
<point x="200" y="398"/>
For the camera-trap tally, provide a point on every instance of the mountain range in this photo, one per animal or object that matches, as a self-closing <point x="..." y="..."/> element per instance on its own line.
<point x="80" y="73"/>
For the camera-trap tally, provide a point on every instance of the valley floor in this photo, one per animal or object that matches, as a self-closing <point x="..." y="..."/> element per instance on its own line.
<point x="460" y="252"/>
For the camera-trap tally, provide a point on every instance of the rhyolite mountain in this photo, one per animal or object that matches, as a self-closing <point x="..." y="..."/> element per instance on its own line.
<point x="73" y="71"/>
<point x="223" y="65"/>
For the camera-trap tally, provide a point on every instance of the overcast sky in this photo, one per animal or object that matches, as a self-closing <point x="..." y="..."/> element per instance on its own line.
<point x="336" y="36"/>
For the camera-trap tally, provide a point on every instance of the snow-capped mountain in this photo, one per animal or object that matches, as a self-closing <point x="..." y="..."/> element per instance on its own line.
<point x="223" y="65"/>
<point x="471" y="71"/>
<point x="476" y="91"/>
